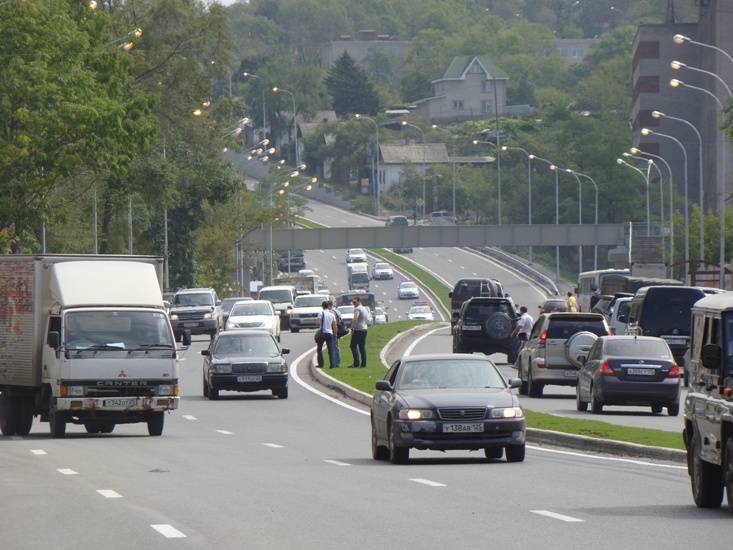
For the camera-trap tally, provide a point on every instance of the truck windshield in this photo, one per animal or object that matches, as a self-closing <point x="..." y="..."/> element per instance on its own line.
<point x="276" y="296"/>
<point x="117" y="329"/>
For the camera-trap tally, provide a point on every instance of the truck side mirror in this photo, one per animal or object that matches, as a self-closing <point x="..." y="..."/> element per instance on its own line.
<point x="54" y="339"/>
<point x="621" y="318"/>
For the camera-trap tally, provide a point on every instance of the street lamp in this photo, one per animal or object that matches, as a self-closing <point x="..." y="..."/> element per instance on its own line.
<point x="291" y="175"/>
<point x="529" y="185"/>
<point x="264" y="116"/>
<point x="620" y="162"/>
<point x="677" y="65"/>
<point x="424" y="169"/>
<point x="557" y="211"/>
<point x="650" y="163"/>
<point x="295" y="123"/>
<point x="681" y="39"/>
<point x="646" y="132"/>
<point x="580" y="216"/>
<point x="377" y="183"/>
<point x="635" y="151"/>
<point x="595" y="247"/>
<point x="453" y="162"/>
<point x="498" y="173"/>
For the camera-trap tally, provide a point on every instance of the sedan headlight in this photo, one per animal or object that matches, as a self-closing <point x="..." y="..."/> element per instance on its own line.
<point x="416" y="414"/>
<point x="507" y="412"/>
<point x="221" y="368"/>
<point x="277" y="367"/>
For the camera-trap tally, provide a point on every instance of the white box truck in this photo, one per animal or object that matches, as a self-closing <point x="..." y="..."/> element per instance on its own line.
<point x="84" y="339"/>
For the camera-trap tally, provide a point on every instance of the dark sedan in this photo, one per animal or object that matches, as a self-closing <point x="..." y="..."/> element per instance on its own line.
<point x="446" y="402"/>
<point x="245" y="361"/>
<point x="630" y="371"/>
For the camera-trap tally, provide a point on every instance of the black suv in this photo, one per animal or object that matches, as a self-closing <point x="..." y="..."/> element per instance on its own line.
<point x="471" y="288"/>
<point x="485" y="325"/>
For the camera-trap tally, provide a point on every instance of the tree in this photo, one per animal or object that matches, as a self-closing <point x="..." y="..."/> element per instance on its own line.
<point x="351" y="89"/>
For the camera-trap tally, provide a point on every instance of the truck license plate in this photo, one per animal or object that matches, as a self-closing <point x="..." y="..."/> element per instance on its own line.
<point x="190" y="324"/>
<point x="249" y="379"/>
<point x="463" y="428"/>
<point x="119" y="402"/>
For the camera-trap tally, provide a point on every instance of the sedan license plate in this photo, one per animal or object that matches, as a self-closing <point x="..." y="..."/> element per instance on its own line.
<point x="571" y="374"/>
<point x="119" y="402"/>
<point x="463" y="428"/>
<point x="642" y="372"/>
<point x="249" y="379"/>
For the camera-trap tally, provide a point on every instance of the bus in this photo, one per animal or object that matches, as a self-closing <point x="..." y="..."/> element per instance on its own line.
<point x="367" y="299"/>
<point x="588" y="279"/>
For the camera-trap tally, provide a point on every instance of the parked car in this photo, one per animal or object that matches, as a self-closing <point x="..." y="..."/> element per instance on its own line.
<point x="629" y="370"/>
<point x="446" y="402"/>
<point x="408" y="290"/>
<point x="255" y="314"/>
<point x="228" y="303"/>
<point x="355" y="255"/>
<point x="441" y="217"/>
<point x="420" y="311"/>
<point x="554" y="304"/>
<point x="305" y="311"/>
<point x="245" y="361"/>
<point x="550" y="356"/>
<point x="469" y="288"/>
<point x="485" y="325"/>
<point x="382" y="270"/>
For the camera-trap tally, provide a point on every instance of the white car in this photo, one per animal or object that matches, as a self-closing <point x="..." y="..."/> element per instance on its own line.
<point x="355" y="255"/>
<point x="255" y="314"/>
<point x="380" y="315"/>
<point x="382" y="270"/>
<point x="408" y="291"/>
<point x="347" y="314"/>
<point x="420" y="311"/>
<point x="305" y="311"/>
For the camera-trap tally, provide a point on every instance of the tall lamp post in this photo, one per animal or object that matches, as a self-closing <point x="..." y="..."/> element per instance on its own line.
<point x="264" y="115"/>
<point x="557" y="211"/>
<point x="422" y="134"/>
<point x="635" y="151"/>
<point x="377" y="185"/>
<point x="621" y="162"/>
<point x="291" y="175"/>
<point x="595" y="247"/>
<point x="453" y="162"/>
<point x="646" y="132"/>
<point x="529" y="187"/>
<point x="651" y="163"/>
<point x="498" y="175"/>
<point x="580" y="211"/>
<point x="295" y="123"/>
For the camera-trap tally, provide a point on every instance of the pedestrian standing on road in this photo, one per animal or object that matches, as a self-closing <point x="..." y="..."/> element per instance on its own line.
<point x="327" y="325"/>
<point x="359" y="334"/>
<point x="594" y="297"/>
<point x="524" y="325"/>
<point x="339" y="323"/>
<point x="572" y="302"/>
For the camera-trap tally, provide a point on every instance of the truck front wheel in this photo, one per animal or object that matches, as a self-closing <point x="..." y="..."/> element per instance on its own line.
<point x="56" y="422"/>
<point x="155" y="423"/>
<point x="8" y="414"/>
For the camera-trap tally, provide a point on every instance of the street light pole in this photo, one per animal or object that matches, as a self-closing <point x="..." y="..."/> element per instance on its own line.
<point x="264" y="115"/>
<point x="453" y="162"/>
<point x="529" y="188"/>
<point x="621" y="161"/>
<point x="595" y="247"/>
<point x="651" y="163"/>
<point x="557" y="211"/>
<point x="295" y="123"/>
<point x="424" y="168"/>
<point x="377" y="185"/>
<point x="498" y="176"/>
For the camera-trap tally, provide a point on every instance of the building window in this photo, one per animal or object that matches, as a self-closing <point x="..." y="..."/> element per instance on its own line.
<point x="578" y="52"/>
<point x="488" y="86"/>
<point x="475" y="68"/>
<point x="487" y="106"/>
<point x="457" y="104"/>
<point x="563" y="51"/>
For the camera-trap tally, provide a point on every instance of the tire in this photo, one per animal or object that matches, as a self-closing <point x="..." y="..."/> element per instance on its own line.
<point x="705" y="478"/>
<point x="515" y="453"/>
<point x="379" y="452"/>
<point x="494" y="453"/>
<point x="657" y="409"/>
<point x="523" y="387"/>
<point x="580" y="405"/>
<point x="397" y="455"/>
<point x="499" y="325"/>
<point x="533" y="388"/>
<point x="728" y="472"/>
<point x="56" y="422"/>
<point x="673" y="409"/>
<point x="280" y="393"/>
<point x="25" y="415"/>
<point x="205" y="385"/>
<point x="294" y="329"/>
<point x="512" y="357"/>
<point x="92" y="427"/>
<point x="107" y="428"/>
<point x="213" y="394"/>
<point x="156" y="423"/>
<point x="457" y="348"/>
<point x="8" y="415"/>
<point x="596" y="406"/>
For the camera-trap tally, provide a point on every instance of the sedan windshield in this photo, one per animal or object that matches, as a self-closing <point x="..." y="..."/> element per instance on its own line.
<point x="246" y="345"/>
<point x="309" y="301"/>
<point x="243" y="310"/>
<point x="449" y="374"/>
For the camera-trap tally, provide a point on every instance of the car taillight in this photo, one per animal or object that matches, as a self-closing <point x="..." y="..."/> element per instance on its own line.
<point x="606" y="370"/>
<point x="543" y="339"/>
<point x="674" y="372"/>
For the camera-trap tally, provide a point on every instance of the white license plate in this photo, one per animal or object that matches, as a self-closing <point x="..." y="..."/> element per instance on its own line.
<point x="642" y="372"/>
<point x="571" y="374"/>
<point x="676" y="341"/>
<point x="471" y="327"/>
<point x="119" y="402"/>
<point x="249" y="379"/>
<point x="190" y="324"/>
<point x="463" y="428"/>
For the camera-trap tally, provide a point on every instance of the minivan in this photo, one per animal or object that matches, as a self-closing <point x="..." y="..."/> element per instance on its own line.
<point x="471" y="288"/>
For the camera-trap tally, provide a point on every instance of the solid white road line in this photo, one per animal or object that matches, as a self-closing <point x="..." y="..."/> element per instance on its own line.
<point x="273" y="445"/>
<point x="428" y="482"/>
<point x="337" y="462"/>
<point x="168" y="531"/>
<point x="67" y="471"/>
<point x="556" y="516"/>
<point x="109" y="493"/>
<point x="611" y="458"/>
<point x="225" y="432"/>
<point x="38" y="452"/>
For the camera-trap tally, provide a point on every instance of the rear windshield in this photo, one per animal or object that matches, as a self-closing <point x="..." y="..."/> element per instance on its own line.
<point x="565" y="328"/>
<point x="468" y="289"/>
<point x="481" y="311"/>
<point x="628" y="347"/>
<point x="665" y="311"/>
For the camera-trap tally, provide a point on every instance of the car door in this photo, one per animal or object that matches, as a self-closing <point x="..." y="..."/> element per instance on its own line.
<point x="588" y="371"/>
<point x="382" y="402"/>
<point x="529" y="351"/>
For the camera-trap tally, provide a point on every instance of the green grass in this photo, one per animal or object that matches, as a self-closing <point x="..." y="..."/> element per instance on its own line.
<point x="380" y="335"/>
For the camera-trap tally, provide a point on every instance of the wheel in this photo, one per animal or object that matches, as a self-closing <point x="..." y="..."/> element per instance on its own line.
<point x="397" y="455"/>
<point x="511" y="357"/>
<point x="596" y="407"/>
<point x="728" y="471"/>
<point x="25" y="414"/>
<point x="56" y="422"/>
<point x="673" y="409"/>
<point x="499" y="325"/>
<point x="92" y="427"/>
<point x="457" y="348"/>
<point x="657" y="409"/>
<point x="213" y="334"/>
<point x="213" y="394"/>
<point x="379" y="452"/>
<point x="580" y="405"/>
<point x="520" y="375"/>
<point x="107" y="428"/>
<point x="205" y="385"/>
<point x="155" y="423"/>
<point x="515" y="453"/>
<point x="533" y="388"/>
<point x="705" y="478"/>
<point x="494" y="452"/>
<point x="8" y="415"/>
<point x="294" y="329"/>
<point x="280" y="393"/>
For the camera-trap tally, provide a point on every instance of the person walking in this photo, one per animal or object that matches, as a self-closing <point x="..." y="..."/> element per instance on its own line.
<point x="524" y="325"/>
<point x="572" y="302"/>
<point x="327" y="325"/>
<point x="359" y="334"/>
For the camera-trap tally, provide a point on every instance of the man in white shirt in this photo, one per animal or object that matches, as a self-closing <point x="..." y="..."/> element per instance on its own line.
<point x="359" y="334"/>
<point x="329" y="336"/>
<point x="524" y="325"/>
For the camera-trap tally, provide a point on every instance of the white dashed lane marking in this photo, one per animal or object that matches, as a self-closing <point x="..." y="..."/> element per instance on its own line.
<point x="337" y="462"/>
<point x="225" y="432"/>
<point x="273" y="445"/>
<point x="553" y="515"/>
<point x="168" y="531"/>
<point x="189" y="417"/>
<point x="38" y="452"/>
<point x="428" y="482"/>
<point x="67" y="471"/>
<point x="109" y="493"/>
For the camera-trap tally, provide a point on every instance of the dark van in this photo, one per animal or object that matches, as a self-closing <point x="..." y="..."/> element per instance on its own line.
<point x="472" y="288"/>
<point x="664" y="311"/>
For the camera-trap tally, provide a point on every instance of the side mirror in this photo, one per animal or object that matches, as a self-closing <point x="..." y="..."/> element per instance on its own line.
<point x="285" y="351"/>
<point x="54" y="339"/>
<point x="456" y="315"/>
<point x="383" y="385"/>
<point x="450" y="294"/>
<point x="515" y="383"/>
<point x="206" y="353"/>
<point x="621" y="318"/>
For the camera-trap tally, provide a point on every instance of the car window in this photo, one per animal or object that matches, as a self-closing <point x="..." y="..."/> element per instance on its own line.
<point x="450" y="373"/>
<point x="663" y="312"/>
<point x="250" y="345"/>
<point x="243" y="310"/>
<point x="565" y="328"/>
<point x="595" y="350"/>
<point x="309" y="301"/>
<point x="638" y="348"/>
